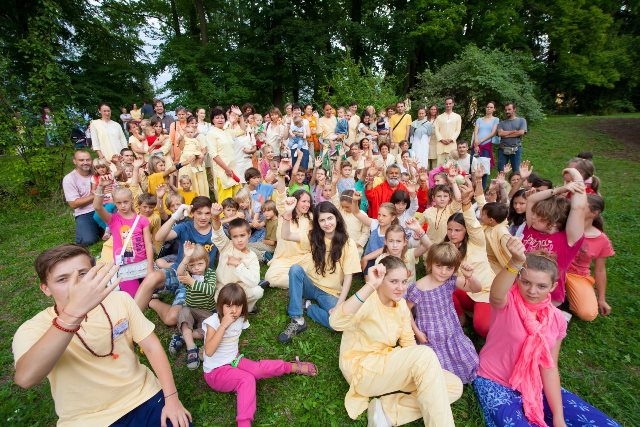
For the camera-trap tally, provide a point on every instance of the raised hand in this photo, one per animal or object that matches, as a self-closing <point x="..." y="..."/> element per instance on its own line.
<point x="376" y="274"/>
<point x="517" y="251"/>
<point x="285" y="165"/>
<point x="105" y="180"/>
<point x="86" y="292"/>
<point x="161" y="191"/>
<point x="290" y="204"/>
<point x="357" y="197"/>
<point x="318" y="163"/>
<point x="116" y="158"/>
<point x="466" y="269"/>
<point x="216" y="209"/>
<point x="411" y="187"/>
<point x="525" y="169"/>
<point x="413" y="225"/>
<point x="188" y="249"/>
<point x="507" y="168"/>
<point x="466" y="192"/>
<point x="577" y="187"/>
<point x="500" y="179"/>
<point x="138" y="163"/>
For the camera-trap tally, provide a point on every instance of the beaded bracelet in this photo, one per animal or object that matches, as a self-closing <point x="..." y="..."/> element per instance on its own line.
<point x="54" y="322"/>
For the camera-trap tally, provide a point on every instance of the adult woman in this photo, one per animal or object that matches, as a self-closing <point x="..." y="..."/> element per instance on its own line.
<point x="364" y="128"/>
<point x="385" y="155"/>
<point x="107" y="136"/>
<point x="485" y="135"/>
<point x="276" y="131"/>
<point x="432" y="115"/>
<point x="518" y="381"/>
<point x="326" y="124"/>
<point x="379" y="355"/>
<point x="221" y="147"/>
<point x="288" y="253"/>
<point x="464" y="231"/>
<point x="136" y="113"/>
<point x="244" y="142"/>
<point x="324" y="274"/>
<point x="312" y="139"/>
<point x="176" y="133"/>
<point x="203" y="126"/>
<point x="420" y="131"/>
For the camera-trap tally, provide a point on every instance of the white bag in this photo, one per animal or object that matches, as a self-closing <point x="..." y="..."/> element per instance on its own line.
<point x="136" y="270"/>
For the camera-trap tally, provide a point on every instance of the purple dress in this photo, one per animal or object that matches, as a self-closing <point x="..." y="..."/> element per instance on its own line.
<point x="436" y="316"/>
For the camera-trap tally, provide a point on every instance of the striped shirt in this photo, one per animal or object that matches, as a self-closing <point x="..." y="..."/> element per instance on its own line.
<point x="200" y="294"/>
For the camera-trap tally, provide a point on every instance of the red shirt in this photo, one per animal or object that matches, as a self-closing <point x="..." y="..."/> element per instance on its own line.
<point x="423" y="199"/>
<point x="379" y="195"/>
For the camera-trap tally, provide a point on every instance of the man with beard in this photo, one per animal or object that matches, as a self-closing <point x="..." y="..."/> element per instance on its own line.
<point x="382" y="193"/>
<point x="77" y="192"/>
<point x="510" y="132"/>
<point x="158" y="107"/>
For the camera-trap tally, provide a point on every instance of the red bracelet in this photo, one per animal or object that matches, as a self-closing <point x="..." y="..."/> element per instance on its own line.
<point x="54" y="322"/>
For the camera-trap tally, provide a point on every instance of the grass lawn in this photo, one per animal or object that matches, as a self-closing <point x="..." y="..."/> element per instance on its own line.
<point x="599" y="361"/>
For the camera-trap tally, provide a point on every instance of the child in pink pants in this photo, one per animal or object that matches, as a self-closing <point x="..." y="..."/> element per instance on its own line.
<point x="225" y="369"/>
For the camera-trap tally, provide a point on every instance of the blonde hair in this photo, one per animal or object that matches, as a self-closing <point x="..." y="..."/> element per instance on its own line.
<point x="169" y="199"/>
<point x="99" y="163"/>
<point x="242" y="196"/>
<point x="200" y="253"/>
<point x="120" y="189"/>
<point x="184" y="176"/>
<point x="154" y="161"/>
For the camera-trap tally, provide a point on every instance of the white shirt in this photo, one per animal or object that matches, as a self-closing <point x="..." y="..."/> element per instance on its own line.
<point x="227" y="351"/>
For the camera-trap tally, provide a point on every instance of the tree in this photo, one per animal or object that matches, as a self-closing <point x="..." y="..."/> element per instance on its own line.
<point x="478" y="76"/>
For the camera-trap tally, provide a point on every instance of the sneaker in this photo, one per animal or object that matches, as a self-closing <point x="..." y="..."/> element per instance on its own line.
<point x="193" y="361"/>
<point x="264" y="284"/>
<point x="376" y="416"/>
<point x="293" y="329"/>
<point x="175" y="344"/>
<point x="306" y="304"/>
<point x="268" y="256"/>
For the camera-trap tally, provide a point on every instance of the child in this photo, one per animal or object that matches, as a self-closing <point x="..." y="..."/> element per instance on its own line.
<point x="252" y="212"/>
<point x="200" y="281"/>
<point x="101" y="168"/>
<point x="518" y="373"/>
<point x="436" y="323"/>
<point x="84" y="344"/>
<point x="298" y="175"/>
<point x="237" y="263"/>
<point x="186" y="190"/>
<point x="422" y="192"/>
<point x="264" y="248"/>
<point x="358" y="231"/>
<point x="557" y="223"/>
<point x="382" y="126"/>
<point x="318" y="181"/>
<point x="387" y="215"/>
<point x="436" y="216"/>
<point x="259" y="131"/>
<point x="597" y="248"/>
<point x="342" y="127"/>
<point x="406" y="203"/>
<point x="159" y="173"/>
<point x="131" y="235"/>
<point x="517" y="213"/>
<point x="169" y="250"/>
<point x="267" y="157"/>
<point x="196" y="148"/>
<point x="225" y="369"/>
<point x="230" y="211"/>
<point x="587" y="171"/>
<point x="396" y="244"/>
<point x="379" y="357"/>
<point x="346" y="181"/>
<point x="297" y="135"/>
<point x="147" y="203"/>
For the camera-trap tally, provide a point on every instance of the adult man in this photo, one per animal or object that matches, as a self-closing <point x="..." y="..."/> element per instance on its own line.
<point x="146" y="109"/>
<point x="77" y="192"/>
<point x="158" y="107"/>
<point x="399" y="124"/>
<point x="354" y="121"/>
<point x="382" y="193"/>
<point x="447" y="127"/>
<point x="107" y="136"/>
<point x="510" y="132"/>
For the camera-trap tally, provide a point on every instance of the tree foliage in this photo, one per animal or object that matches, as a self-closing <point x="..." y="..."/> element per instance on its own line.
<point x="478" y="76"/>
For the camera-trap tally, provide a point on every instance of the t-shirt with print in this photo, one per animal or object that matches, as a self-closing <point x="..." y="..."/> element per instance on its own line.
<point x="186" y="232"/>
<point x="120" y="228"/>
<point x="592" y="248"/>
<point x="534" y="240"/>
<point x="262" y="193"/>
<point x="227" y="350"/>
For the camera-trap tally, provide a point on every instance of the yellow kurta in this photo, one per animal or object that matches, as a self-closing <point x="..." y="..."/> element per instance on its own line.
<point x="287" y="254"/>
<point x="379" y="355"/>
<point x="496" y="237"/>
<point x="447" y="126"/>
<point x="477" y="256"/>
<point x="356" y="230"/>
<point x="220" y="143"/>
<point x="437" y="220"/>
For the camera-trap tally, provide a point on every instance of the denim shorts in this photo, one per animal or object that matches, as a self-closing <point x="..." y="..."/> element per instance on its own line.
<point x="172" y="284"/>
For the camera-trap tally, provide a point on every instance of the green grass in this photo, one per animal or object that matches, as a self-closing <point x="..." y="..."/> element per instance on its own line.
<point x="599" y="361"/>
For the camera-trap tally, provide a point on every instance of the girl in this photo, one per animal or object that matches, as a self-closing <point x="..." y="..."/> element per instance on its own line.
<point x="446" y="201"/>
<point x="267" y="156"/>
<point x="379" y="356"/>
<point x="324" y="274"/>
<point x="197" y="148"/>
<point x="406" y="203"/>
<point x="436" y="323"/>
<point x="101" y="168"/>
<point x="385" y="155"/>
<point x="356" y="230"/>
<point x="466" y="233"/>
<point x="387" y="215"/>
<point x="318" y="182"/>
<point x="124" y="223"/>
<point x="159" y="173"/>
<point x="312" y="139"/>
<point x="432" y="115"/>
<point x="518" y="371"/>
<point x="225" y="369"/>
<point x="557" y="223"/>
<point x="597" y="248"/>
<point x="517" y="213"/>
<point x="407" y="164"/>
<point x="587" y="171"/>
<point x="176" y="133"/>
<point x="396" y="244"/>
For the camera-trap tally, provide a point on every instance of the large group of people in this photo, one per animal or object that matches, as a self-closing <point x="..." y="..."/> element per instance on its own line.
<point x="193" y="206"/>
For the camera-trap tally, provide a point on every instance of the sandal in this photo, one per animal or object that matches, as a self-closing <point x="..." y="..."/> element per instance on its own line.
<point x="307" y="369"/>
<point x="193" y="361"/>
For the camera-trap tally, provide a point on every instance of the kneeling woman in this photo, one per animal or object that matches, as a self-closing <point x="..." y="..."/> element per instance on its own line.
<point x="379" y="355"/>
<point x="519" y="363"/>
<point x="323" y="275"/>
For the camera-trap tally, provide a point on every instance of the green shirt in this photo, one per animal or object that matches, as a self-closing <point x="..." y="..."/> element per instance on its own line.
<point x="295" y="187"/>
<point x="200" y="294"/>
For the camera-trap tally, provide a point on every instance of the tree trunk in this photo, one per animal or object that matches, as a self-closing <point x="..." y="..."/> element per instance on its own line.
<point x="174" y="17"/>
<point x="202" y="19"/>
<point x="356" y="21"/>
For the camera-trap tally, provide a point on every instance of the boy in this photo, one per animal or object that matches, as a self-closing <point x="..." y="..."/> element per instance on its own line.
<point x="97" y="378"/>
<point x="200" y="281"/>
<point x="298" y="175"/>
<point x="466" y="162"/>
<point x="264" y="249"/>
<point x="237" y="262"/>
<point x="186" y="190"/>
<point x="231" y="211"/>
<point x="147" y="203"/>
<point x="493" y="217"/>
<point x="342" y="128"/>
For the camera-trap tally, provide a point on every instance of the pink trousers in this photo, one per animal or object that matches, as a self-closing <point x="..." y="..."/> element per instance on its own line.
<point x="242" y="380"/>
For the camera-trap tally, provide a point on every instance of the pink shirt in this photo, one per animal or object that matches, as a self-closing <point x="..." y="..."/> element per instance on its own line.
<point x="506" y="337"/>
<point x="592" y="248"/>
<point x="534" y="240"/>
<point x="76" y="186"/>
<point x="135" y="249"/>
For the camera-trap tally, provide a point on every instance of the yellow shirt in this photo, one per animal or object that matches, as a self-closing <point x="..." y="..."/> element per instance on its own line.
<point x="374" y="331"/>
<point x="437" y="220"/>
<point x="220" y="143"/>
<point x="355" y="228"/>
<point x="447" y="126"/>
<point x="247" y="272"/>
<point x="409" y="260"/>
<point x="326" y="126"/>
<point x="330" y="283"/>
<point x="188" y="196"/>
<point x="400" y="131"/>
<point x="155" y="180"/>
<point x="154" y="225"/>
<point x="496" y="237"/>
<point x="477" y="256"/>
<point x="89" y="390"/>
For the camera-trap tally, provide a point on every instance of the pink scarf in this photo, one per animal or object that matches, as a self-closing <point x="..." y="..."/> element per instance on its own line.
<point x="535" y="354"/>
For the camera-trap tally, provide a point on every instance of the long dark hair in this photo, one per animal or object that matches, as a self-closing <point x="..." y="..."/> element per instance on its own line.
<point x="596" y="203"/>
<point x="459" y="218"/>
<point x="318" y="246"/>
<point x="294" y="215"/>
<point x="514" y="217"/>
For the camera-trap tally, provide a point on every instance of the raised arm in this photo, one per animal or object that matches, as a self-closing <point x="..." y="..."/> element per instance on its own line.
<point x="418" y="233"/>
<point x="575" y="222"/>
<point x="504" y="279"/>
<point x="166" y="232"/>
<point x="467" y="282"/>
<point x="104" y="214"/>
<point x="287" y="234"/>
<point x="362" y="217"/>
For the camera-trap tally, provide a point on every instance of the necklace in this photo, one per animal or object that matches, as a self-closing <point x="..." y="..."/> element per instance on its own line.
<point x="439" y="219"/>
<point x="89" y="349"/>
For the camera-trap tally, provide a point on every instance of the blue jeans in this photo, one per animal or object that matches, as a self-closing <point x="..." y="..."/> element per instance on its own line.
<point x="87" y="230"/>
<point x="301" y="287"/>
<point x="514" y="159"/>
<point x="305" y="158"/>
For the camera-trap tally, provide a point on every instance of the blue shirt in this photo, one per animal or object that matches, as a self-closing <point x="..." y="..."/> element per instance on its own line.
<point x="262" y="193"/>
<point x="187" y="232"/>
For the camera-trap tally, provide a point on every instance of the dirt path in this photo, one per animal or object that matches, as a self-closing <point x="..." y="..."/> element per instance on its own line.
<point x="625" y="130"/>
